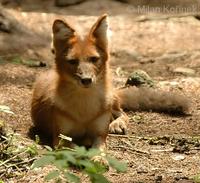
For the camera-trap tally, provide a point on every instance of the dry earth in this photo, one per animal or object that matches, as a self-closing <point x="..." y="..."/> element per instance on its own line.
<point x="158" y="147"/>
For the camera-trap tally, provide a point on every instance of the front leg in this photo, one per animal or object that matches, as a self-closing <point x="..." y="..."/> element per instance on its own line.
<point x="99" y="130"/>
<point x="55" y="136"/>
<point x="62" y="125"/>
<point x="100" y="143"/>
<point x="119" y="121"/>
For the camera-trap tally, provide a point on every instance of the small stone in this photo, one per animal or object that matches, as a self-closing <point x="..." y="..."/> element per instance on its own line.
<point x="184" y="71"/>
<point x="178" y="157"/>
<point x="142" y="169"/>
<point x="67" y="2"/>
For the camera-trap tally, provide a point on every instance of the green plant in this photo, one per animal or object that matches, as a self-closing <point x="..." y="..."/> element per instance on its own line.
<point x="196" y="178"/>
<point x="64" y="160"/>
<point x="16" y="152"/>
<point x="16" y="155"/>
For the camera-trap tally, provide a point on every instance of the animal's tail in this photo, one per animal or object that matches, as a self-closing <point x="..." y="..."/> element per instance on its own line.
<point x="148" y="99"/>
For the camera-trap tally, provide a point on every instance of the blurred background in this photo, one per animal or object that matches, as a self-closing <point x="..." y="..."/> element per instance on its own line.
<point x="141" y="28"/>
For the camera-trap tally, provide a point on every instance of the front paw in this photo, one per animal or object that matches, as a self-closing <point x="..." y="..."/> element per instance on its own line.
<point x="118" y="127"/>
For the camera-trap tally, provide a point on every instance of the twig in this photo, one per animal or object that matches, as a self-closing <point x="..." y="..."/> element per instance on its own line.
<point x="132" y="150"/>
<point x="10" y="140"/>
<point x="117" y="135"/>
<point x="23" y="162"/>
<point x="3" y="174"/>
<point x="125" y="136"/>
<point x="162" y="150"/>
<point x="6" y="161"/>
<point x="130" y="137"/>
<point x="196" y="148"/>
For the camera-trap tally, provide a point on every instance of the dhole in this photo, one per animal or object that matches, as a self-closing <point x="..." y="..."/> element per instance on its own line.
<point x="77" y="98"/>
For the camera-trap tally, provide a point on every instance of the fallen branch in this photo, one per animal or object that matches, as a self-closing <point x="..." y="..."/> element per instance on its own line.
<point x="132" y="149"/>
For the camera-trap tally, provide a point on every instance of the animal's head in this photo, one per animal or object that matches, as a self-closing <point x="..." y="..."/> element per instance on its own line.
<point x="83" y="61"/>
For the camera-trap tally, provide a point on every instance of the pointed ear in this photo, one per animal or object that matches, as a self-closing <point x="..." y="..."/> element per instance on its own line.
<point x="62" y="33"/>
<point x="99" y="32"/>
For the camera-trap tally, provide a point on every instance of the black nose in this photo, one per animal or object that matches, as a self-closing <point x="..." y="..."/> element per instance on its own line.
<point x="86" y="81"/>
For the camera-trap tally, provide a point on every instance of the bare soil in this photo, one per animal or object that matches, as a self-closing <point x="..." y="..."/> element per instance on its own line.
<point x="158" y="147"/>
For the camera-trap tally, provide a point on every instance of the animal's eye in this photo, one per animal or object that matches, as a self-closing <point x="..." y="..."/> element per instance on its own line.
<point x="73" y="61"/>
<point x="93" y="59"/>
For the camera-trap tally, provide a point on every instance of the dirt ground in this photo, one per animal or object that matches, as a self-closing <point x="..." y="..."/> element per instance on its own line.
<point x="158" y="147"/>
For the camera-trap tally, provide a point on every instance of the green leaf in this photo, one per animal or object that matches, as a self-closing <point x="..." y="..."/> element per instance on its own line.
<point x="32" y="150"/>
<point x="72" y="177"/>
<point x="43" y="161"/>
<point x="100" y="167"/>
<point x="92" y="167"/>
<point x="80" y="151"/>
<point x="60" y="164"/>
<point x="196" y="178"/>
<point x="93" y="152"/>
<point x="98" y="178"/>
<point x="52" y="175"/>
<point x="88" y="166"/>
<point x="119" y="166"/>
<point x="68" y="155"/>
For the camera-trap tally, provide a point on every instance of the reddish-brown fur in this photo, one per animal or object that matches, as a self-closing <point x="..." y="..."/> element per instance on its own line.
<point x="77" y="98"/>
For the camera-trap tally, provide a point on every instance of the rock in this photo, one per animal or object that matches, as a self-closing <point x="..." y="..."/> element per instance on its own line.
<point x="173" y="56"/>
<point x="178" y="157"/>
<point x="34" y="63"/>
<point x="142" y="169"/>
<point x="67" y="2"/>
<point x="184" y="71"/>
<point x="138" y="78"/>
